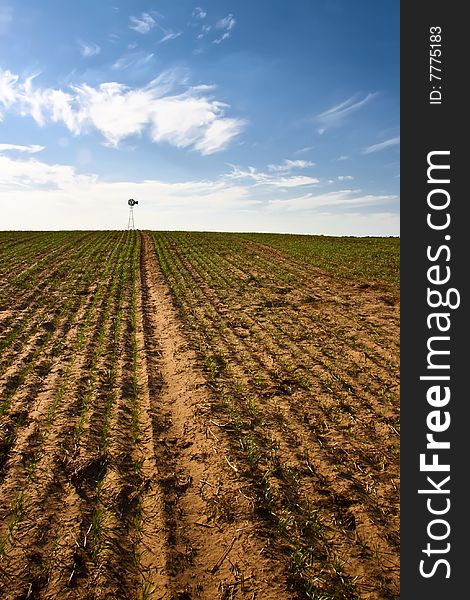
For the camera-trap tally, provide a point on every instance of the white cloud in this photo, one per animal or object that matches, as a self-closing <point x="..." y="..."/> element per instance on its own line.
<point x="302" y="150"/>
<point x="88" y="50"/>
<point x="219" y="134"/>
<point x="223" y="37"/>
<point x="170" y="36"/>
<point x="294" y="181"/>
<point x="386" y="144"/>
<point x="199" y="13"/>
<point x="226" y="24"/>
<point x="143" y="24"/>
<point x="261" y="178"/>
<point x="148" y="21"/>
<point x="133" y="60"/>
<point x="8" y="92"/>
<point x="329" y="200"/>
<point x="289" y="165"/>
<point x="77" y="201"/>
<point x="345" y="177"/>
<point x="334" y="116"/>
<point x="30" y="173"/>
<point x="30" y="149"/>
<point x="203" y="32"/>
<point x="188" y="118"/>
<point x="53" y="196"/>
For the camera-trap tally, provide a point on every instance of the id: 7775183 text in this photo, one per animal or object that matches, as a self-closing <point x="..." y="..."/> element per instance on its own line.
<point x="435" y="65"/>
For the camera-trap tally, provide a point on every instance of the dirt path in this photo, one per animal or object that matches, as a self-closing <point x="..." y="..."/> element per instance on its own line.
<point x="213" y="551"/>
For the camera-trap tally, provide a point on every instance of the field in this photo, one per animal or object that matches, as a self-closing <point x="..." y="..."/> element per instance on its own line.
<point x="198" y="415"/>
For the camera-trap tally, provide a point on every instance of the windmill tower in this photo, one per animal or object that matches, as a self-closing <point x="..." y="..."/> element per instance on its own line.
<point x="130" y="223"/>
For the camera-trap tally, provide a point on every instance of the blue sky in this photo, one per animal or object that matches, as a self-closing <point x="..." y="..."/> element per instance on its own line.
<point x="215" y="115"/>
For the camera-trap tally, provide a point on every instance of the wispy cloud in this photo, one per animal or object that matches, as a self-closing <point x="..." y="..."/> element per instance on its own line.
<point x="147" y="22"/>
<point x="204" y="31"/>
<point x="8" y="81"/>
<point x="330" y="200"/>
<point x="334" y="116"/>
<point x="226" y="24"/>
<point x="170" y="36"/>
<point x="88" y="50"/>
<point x="382" y="145"/>
<point x="303" y="150"/>
<point x="289" y="165"/>
<point x="223" y="37"/>
<point x="6" y="18"/>
<point x="261" y="178"/>
<point x="218" y="134"/>
<point x="30" y="149"/>
<point x="345" y="177"/>
<point x="167" y="109"/>
<point x="142" y="24"/>
<point x="199" y="13"/>
<point x="136" y="60"/>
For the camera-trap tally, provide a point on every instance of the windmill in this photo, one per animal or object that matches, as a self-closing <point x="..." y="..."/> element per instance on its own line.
<point x="130" y="223"/>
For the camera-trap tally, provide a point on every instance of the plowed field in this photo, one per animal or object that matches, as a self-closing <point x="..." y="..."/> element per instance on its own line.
<point x="198" y="416"/>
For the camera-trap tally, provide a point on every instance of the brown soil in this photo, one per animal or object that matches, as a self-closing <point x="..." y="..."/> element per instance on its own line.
<point x="222" y="427"/>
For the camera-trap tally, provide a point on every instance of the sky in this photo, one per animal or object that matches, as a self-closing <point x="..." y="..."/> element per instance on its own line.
<point x="215" y="115"/>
